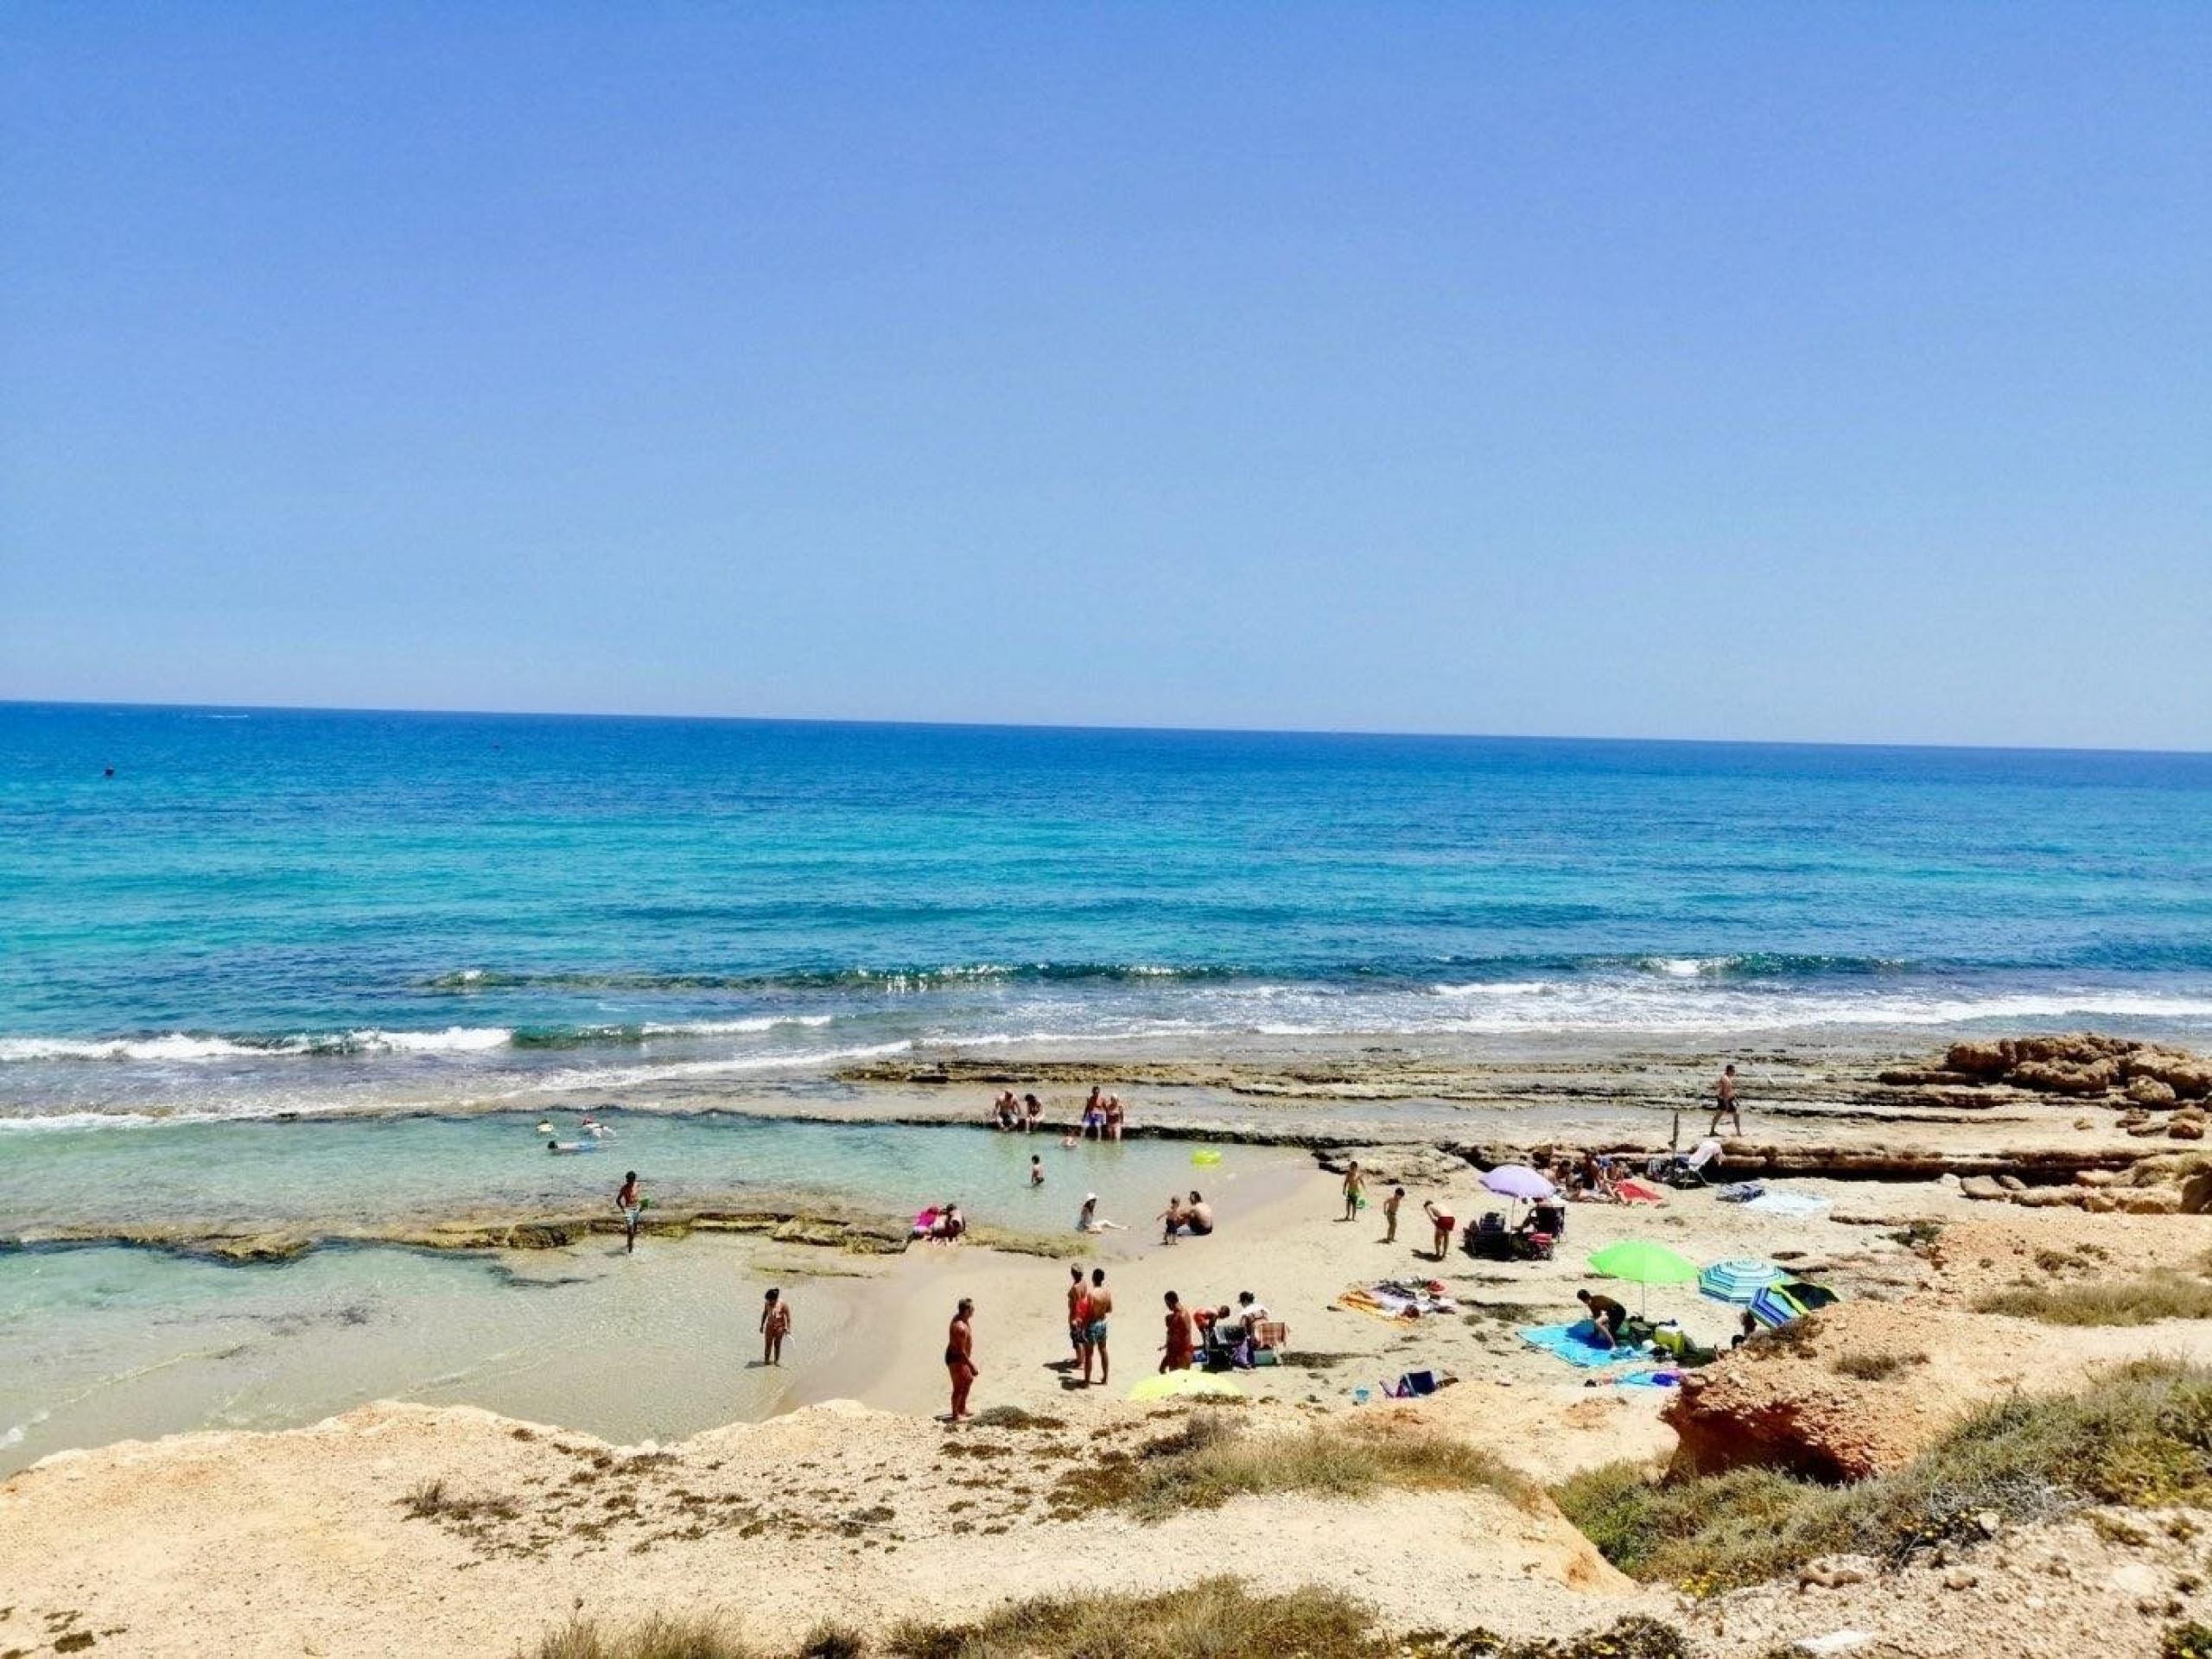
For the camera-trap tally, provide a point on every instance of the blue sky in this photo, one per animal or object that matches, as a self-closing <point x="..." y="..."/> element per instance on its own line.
<point x="1823" y="370"/>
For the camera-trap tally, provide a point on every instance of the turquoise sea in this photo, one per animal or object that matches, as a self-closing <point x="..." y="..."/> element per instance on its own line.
<point x="326" y="973"/>
<point x="264" y="910"/>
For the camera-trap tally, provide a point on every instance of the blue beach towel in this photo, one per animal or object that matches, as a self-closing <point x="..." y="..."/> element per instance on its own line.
<point x="1650" y="1380"/>
<point x="1571" y="1344"/>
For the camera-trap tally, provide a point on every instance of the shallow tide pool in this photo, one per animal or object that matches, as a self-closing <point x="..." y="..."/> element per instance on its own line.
<point x="107" y="1342"/>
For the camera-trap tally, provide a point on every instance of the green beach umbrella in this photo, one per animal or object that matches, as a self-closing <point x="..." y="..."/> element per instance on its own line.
<point x="1170" y="1383"/>
<point x="1642" y="1263"/>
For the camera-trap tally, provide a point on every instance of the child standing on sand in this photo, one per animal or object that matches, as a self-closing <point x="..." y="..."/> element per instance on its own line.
<point x="775" y="1326"/>
<point x="1390" y="1214"/>
<point x="1354" y="1186"/>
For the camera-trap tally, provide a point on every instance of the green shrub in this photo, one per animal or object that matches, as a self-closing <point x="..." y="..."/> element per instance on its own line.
<point x="2142" y="1436"/>
<point x="1214" y="1619"/>
<point x="1210" y="1457"/>
<point x="2142" y="1301"/>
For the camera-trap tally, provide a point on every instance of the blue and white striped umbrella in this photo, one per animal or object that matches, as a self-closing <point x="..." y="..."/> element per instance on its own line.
<point x="1738" y="1280"/>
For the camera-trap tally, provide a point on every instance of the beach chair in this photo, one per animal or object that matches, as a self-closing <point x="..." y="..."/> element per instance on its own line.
<point x="1534" y="1245"/>
<point x="1486" y="1238"/>
<point x="1270" y="1339"/>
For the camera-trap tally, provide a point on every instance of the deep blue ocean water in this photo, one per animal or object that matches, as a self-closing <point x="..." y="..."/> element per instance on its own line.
<point x="266" y="910"/>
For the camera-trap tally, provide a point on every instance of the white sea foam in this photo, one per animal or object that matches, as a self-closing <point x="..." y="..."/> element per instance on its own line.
<point x="626" y="1077"/>
<point x="186" y="1047"/>
<point x="176" y="1045"/>
<point x="736" y="1028"/>
<point x="453" y="1040"/>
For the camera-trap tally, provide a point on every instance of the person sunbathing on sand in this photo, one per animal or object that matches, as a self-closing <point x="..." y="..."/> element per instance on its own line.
<point x="1596" y="1179"/>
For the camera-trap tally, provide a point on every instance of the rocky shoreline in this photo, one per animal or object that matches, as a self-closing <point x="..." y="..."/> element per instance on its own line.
<point x="1930" y="1217"/>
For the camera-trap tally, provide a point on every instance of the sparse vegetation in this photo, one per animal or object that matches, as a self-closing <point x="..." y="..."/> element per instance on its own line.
<point x="2141" y="1300"/>
<point x="1015" y="1417"/>
<point x="1873" y="1368"/>
<point x="2189" y="1641"/>
<point x="2142" y="1436"/>
<point x="663" y="1635"/>
<point x="1919" y="1235"/>
<point x="833" y="1641"/>
<point x="1214" y="1619"/>
<point x="431" y="1500"/>
<point x="1210" y="1457"/>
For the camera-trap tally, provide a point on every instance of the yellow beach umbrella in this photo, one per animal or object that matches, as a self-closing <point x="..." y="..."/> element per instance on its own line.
<point x="1169" y="1384"/>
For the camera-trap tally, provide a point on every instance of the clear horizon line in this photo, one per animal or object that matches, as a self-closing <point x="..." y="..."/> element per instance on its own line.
<point x="1095" y="726"/>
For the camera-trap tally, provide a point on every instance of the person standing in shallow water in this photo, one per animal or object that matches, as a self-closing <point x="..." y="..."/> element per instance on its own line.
<point x="960" y="1356"/>
<point x="1723" y="1103"/>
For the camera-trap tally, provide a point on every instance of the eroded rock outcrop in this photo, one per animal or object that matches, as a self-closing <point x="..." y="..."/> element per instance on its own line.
<point x="2083" y="1064"/>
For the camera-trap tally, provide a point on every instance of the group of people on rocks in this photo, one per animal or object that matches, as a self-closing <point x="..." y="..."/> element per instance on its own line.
<point x="1103" y="1115"/>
